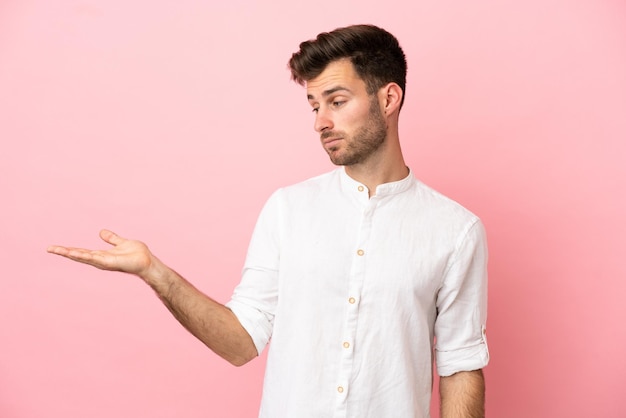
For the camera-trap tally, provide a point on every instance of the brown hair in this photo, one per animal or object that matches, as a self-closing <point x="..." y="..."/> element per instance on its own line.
<point x="374" y="52"/>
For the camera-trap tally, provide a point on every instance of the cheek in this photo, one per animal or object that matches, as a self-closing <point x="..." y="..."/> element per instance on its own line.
<point x="353" y="121"/>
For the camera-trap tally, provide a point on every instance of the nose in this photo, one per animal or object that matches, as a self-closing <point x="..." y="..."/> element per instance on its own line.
<point x="323" y="121"/>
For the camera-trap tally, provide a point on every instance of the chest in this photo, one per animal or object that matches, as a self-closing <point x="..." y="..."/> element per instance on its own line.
<point x="392" y="255"/>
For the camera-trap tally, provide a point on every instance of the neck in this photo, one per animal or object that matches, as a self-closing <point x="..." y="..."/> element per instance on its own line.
<point x="384" y="167"/>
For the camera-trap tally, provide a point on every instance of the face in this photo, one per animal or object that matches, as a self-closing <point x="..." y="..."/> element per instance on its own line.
<point x="350" y="123"/>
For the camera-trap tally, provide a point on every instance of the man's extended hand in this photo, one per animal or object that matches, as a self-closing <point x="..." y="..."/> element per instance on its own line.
<point x="210" y="321"/>
<point x="128" y="256"/>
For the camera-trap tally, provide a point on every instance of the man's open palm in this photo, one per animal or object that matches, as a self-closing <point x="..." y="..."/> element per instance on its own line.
<point x="126" y="255"/>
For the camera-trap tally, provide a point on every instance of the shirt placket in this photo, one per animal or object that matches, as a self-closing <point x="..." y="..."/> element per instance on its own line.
<point x="353" y="300"/>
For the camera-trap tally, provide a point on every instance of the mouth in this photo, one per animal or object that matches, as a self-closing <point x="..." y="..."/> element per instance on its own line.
<point x="330" y="142"/>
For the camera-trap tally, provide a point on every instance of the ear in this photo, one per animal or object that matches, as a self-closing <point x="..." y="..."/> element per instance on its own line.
<point x="390" y="97"/>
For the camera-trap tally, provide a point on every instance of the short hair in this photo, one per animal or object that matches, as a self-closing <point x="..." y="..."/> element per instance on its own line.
<point x="375" y="54"/>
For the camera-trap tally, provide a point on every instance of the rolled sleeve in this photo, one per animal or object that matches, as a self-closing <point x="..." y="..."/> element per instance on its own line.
<point x="257" y="323"/>
<point x="460" y="327"/>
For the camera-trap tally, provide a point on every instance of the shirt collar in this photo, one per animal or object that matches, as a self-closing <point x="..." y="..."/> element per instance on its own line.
<point x="353" y="187"/>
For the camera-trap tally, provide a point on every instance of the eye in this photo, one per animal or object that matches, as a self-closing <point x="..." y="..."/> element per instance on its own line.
<point x="338" y="103"/>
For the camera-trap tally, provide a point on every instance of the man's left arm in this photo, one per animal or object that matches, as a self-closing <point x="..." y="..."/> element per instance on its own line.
<point x="463" y="395"/>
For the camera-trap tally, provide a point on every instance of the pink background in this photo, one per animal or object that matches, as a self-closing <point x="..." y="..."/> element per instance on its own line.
<point x="172" y="122"/>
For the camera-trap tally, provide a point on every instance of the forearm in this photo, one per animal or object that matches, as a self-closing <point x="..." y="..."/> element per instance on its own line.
<point x="463" y="395"/>
<point x="211" y="322"/>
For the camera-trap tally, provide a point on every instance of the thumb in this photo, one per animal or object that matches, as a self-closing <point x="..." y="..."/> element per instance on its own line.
<point x="111" y="237"/>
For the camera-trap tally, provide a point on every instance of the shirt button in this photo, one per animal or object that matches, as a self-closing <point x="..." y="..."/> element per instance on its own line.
<point x="340" y="389"/>
<point x="361" y="188"/>
<point x="352" y="300"/>
<point x="346" y="345"/>
<point x="360" y="252"/>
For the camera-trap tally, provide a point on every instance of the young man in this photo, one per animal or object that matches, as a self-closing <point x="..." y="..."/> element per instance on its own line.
<point x="352" y="274"/>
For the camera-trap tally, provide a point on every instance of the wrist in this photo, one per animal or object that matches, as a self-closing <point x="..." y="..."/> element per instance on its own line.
<point x="155" y="274"/>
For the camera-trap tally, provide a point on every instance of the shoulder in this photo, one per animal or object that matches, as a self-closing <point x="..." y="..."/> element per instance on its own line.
<point x="437" y="216"/>
<point x="440" y="205"/>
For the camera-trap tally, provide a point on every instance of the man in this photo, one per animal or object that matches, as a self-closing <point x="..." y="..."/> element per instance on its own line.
<point x="352" y="274"/>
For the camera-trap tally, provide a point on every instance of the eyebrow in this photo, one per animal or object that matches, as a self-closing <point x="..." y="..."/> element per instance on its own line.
<point x="328" y="92"/>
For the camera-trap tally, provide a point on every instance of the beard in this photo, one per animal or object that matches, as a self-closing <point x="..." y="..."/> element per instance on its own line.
<point x="363" y="143"/>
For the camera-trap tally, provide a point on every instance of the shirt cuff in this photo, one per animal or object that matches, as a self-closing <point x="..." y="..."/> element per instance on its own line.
<point x="462" y="360"/>
<point x="256" y="324"/>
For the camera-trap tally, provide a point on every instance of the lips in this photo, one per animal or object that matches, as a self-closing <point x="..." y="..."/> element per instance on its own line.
<point x="331" y="144"/>
<point x="331" y="141"/>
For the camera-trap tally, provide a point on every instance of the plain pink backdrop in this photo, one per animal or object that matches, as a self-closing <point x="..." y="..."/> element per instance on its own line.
<point x="172" y="122"/>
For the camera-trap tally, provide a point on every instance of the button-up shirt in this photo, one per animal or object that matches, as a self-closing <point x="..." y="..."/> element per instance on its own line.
<point x="353" y="291"/>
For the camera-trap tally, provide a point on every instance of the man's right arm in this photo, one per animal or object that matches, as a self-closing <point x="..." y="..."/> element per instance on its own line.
<point x="211" y="322"/>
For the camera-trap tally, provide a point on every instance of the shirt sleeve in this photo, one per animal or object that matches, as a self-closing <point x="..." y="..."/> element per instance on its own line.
<point x="460" y="327"/>
<point x="254" y="300"/>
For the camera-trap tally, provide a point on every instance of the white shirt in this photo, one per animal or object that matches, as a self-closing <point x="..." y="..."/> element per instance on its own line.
<point x="352" y="290"/>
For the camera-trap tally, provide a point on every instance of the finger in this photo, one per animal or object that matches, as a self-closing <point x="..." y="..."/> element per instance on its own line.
<point x="69" y="252"/>
<point x="56" y="249"/>
<point x="111" y="237"/>
<point x="94" y="258"/>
